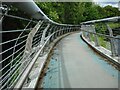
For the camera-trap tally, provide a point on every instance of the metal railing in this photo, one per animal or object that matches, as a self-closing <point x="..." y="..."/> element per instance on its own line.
<point x="20" y="53"/>
<point x="105" y="37"/>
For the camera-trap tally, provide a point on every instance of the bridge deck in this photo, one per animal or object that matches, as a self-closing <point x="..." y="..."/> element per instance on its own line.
<point x="74" y="65"/>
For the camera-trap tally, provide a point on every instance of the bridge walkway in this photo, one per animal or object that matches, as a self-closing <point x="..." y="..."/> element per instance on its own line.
<point x="74" y="65"/>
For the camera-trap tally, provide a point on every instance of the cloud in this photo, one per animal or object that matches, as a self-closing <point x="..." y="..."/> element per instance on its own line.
<point x="110" y="3"/>
<point x="104" y="3"/>
<point x="106" y="0"/>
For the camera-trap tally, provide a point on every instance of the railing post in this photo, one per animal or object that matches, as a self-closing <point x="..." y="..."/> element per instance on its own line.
<point x="118" y="46"/>
<point x="50" y="30"/>
<point x="43" y="35"/>
<point x="95" y="36"/>
<point x="65" y="30"/>
<point x="113" y="50"/>
<point x="119" y="5"/>
<point x="59" y="32"/>
<point x="62" y="28"/>
<point x="69" y="29"/>
<point x="53" y="37"/>
<point x="56" y="33"/>
<point x="28" y="47"/>
<point x="82" y="29"/>
<point x="88" y="34"/>
<point x="74" y="28"/>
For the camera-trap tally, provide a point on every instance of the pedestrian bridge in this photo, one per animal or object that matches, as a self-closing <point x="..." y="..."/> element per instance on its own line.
<point x="53" y="55"/>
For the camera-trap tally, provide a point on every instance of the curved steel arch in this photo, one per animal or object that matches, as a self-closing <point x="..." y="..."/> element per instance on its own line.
<point x="30" y="7"/>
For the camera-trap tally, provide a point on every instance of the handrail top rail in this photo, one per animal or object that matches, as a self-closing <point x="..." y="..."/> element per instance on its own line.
<point x="111" y="19"/>
<point x="35" y="12"/>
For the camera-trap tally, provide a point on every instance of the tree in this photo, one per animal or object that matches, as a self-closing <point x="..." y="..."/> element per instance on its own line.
<point x="110" y="11"/>
<point x="76" y="12"/>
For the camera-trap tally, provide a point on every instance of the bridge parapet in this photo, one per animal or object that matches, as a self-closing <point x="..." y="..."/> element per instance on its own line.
<point x="108" y="41"/>
<point x="20" y="57"/>
<point x="23" y="51"/>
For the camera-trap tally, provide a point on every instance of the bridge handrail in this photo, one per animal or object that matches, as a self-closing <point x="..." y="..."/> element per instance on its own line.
<point x="111" y="19"/>
<point x="89" y="29"/>
<point x="23" y="60"/>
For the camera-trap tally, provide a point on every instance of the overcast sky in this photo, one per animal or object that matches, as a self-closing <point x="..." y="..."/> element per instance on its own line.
<point x="103" y="3"/>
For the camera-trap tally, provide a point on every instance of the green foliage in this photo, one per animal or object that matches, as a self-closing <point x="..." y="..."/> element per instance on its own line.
<point x="70" y="12"/>
<point x="100" y="28"/>
<point x="114" y="25"/>
<point x="110" y="11"/>
<point x="65" y="12"/>
<point x="103" y="42"/>
<point x="76" y="12"/>
<point x="13" y="23"/>
<point x="92" y="37"/>
<point x="53" y="10"/>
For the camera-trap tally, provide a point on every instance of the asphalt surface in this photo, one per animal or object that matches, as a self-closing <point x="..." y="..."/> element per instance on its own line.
<point x="74" y="65"/>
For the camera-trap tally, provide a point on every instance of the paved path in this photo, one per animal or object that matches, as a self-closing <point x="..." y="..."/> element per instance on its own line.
<point x="75" y="65"/>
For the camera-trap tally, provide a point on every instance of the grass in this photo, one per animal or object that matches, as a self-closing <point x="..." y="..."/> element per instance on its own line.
<point x="114" y="25"/>
<point x="103" y="42"/>
<point x="101" y="29"/>
<point x="92" y="37"/>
